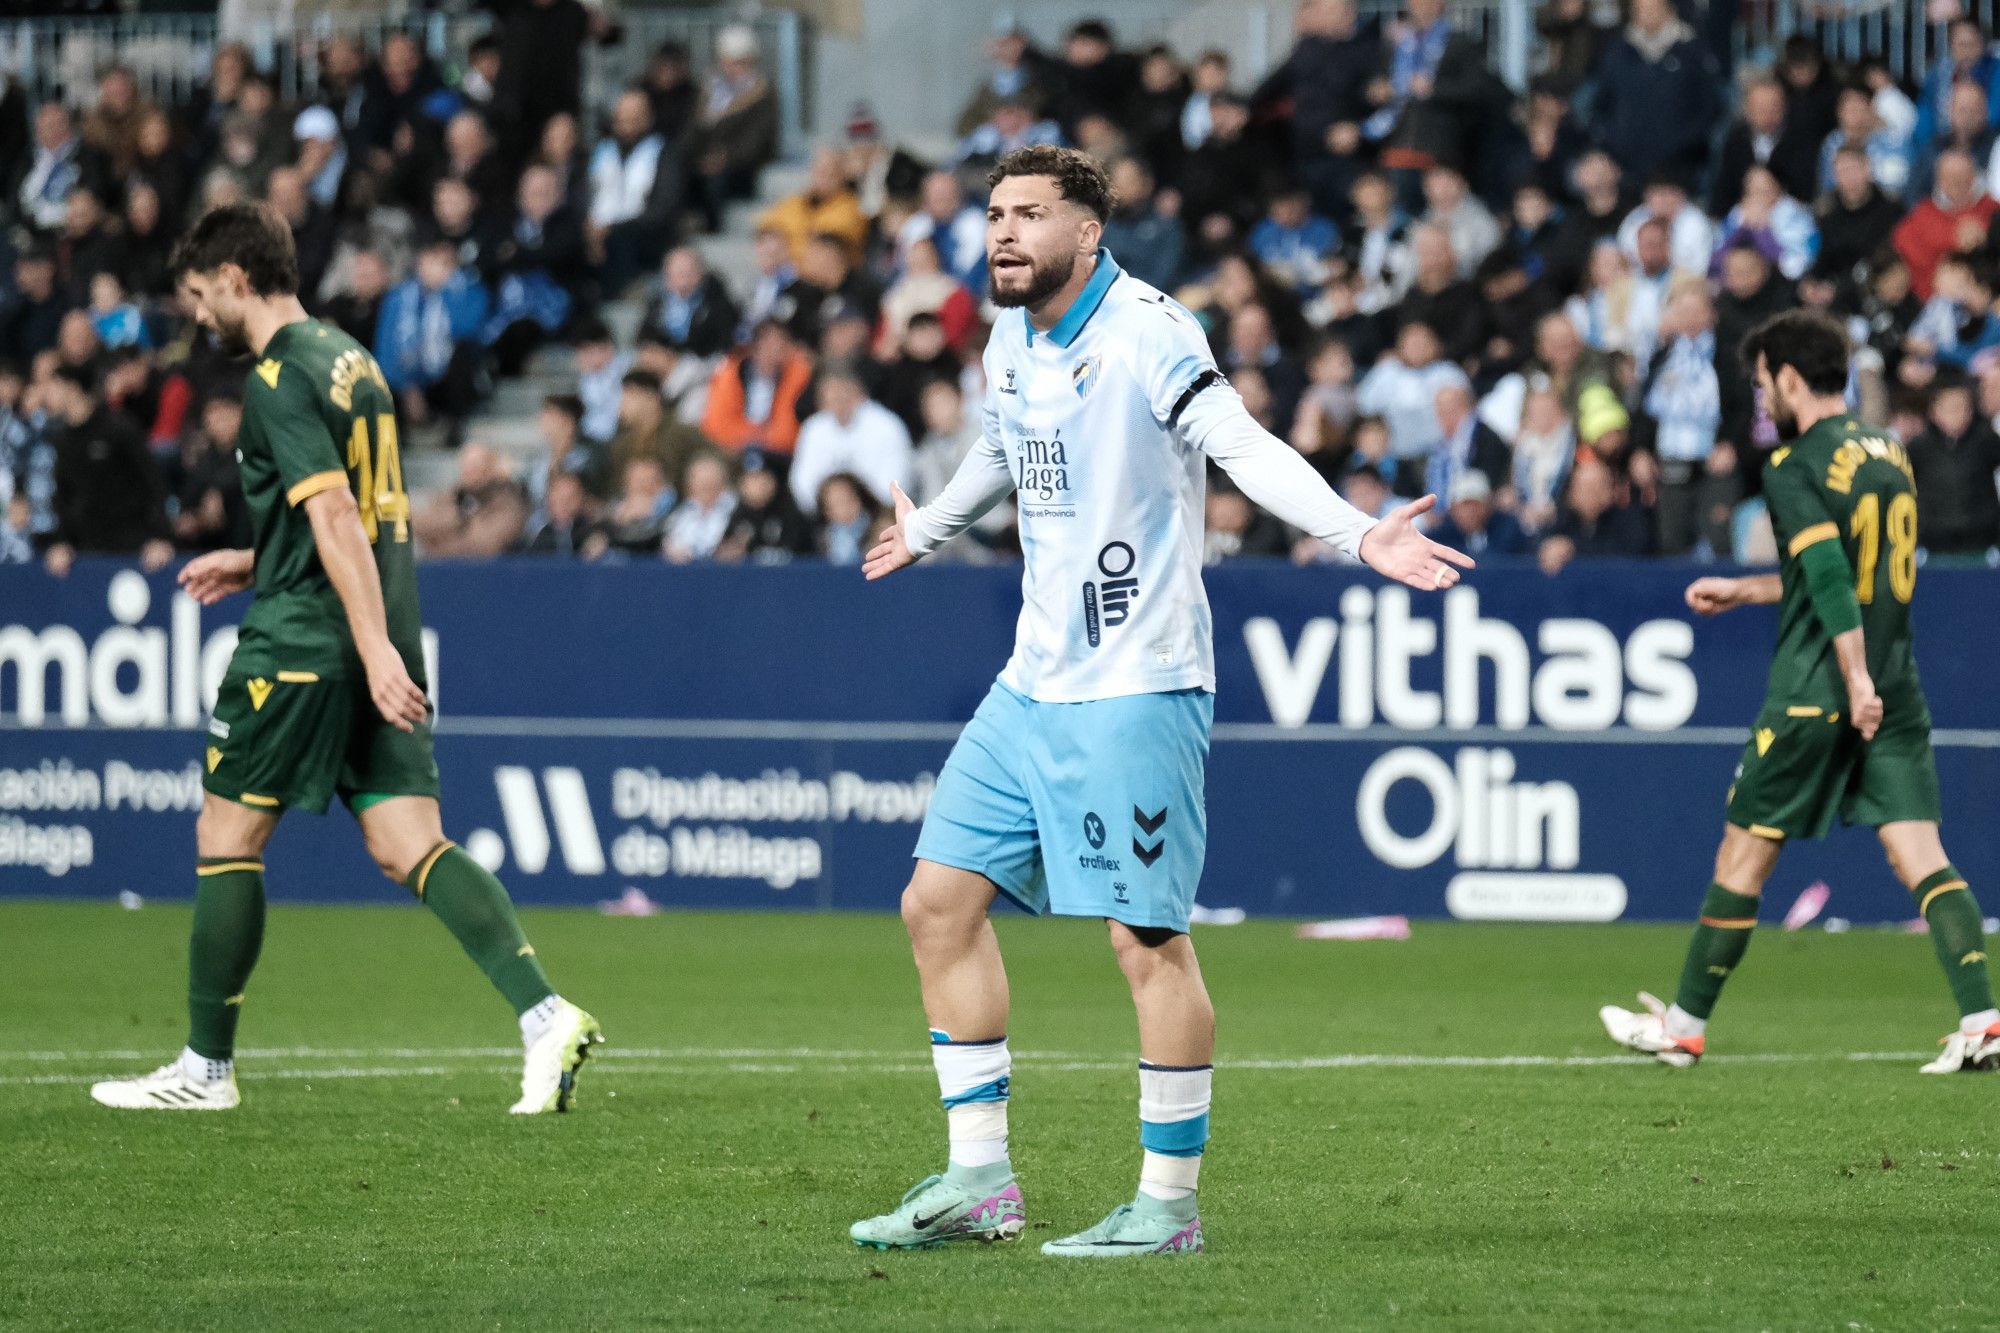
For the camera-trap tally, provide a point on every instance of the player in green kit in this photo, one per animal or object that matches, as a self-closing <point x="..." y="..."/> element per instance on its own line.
<point x="1844" y="729"/>
<point x="325" y="695"/>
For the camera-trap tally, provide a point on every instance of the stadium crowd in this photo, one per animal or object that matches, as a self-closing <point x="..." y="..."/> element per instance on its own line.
<point x="1526" y="304"/>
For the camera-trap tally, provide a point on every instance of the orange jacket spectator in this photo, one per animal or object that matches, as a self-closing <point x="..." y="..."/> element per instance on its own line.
<point x="827" y="204"/>
<point x="1955" y="218"/>
<point x="773" y="364"/>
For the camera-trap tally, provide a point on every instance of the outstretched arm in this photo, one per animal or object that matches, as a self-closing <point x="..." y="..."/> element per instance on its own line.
<point x="1272" y="473"/>
<point x="1713" y="595"/>
<point x="981" y="480"/>
<point x="219" y="574"/>
<point x="350" y="567"/>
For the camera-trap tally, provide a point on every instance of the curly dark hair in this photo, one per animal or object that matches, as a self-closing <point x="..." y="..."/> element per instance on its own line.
<point x="1077" y="175"/>
<point x="1806" y="340"/>
<point x="251" y="236"/>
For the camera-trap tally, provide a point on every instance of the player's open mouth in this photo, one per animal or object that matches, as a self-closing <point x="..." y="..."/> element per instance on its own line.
<point x="1008" y="263"/>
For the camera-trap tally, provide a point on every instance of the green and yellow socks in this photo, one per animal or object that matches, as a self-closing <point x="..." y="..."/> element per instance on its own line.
<point x="222" y="951"/>
<point x="1957" y="933"/>
<point x="1720" y="938"/>
<point x="475" y="908"/>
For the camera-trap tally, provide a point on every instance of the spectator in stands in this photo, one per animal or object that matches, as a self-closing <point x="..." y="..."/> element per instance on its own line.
<point x="600" y="381"/>
<point x="1232" y="527"/>
<point x="948" y="436"/>
<point x="1601" y="196"/>
<point x="1016" y="75"/>
<point x="1146" y="240"/>
<point x="753" y="398"/>
<point x="1292" y="242"/>
<point x="322" y="154"/>
<point x="205" y="490"/>
<point x="1853" y="216"/>
<point x="1967" y="126"/>
<point x="696" y="528"/>
<point x="541" y="64"/>
<point x="921" y="358"/>
<point x="1473" y="525"/>
<point x="1011" y="125"/>
<point x="392" y="100"/>
<point x="1683" y="398"/>
<point x="228" y="70"/>
<point x="79" y="350"/>
<point x="848" y="516"/>
<point x="826" y="206"/>
<point x="1658" y="93"/>
<point x="828" y="285"/>
<point x="1544" y="449"/>
<point x="1209" y="79"/>
<point x="1766" y="135"/>
<point x="670" y="86"/>
<point x="87" y="245"/>
<point x="683" y="376"/>
<point x="767" y="527"/>
<point x="563" y="526"/>
<point x="690" y="306"/>
<point x="852" y="434"/>
<point x="480" y="517"/>
<point x="881" y="173"/>
<point x="1954" y="461"/>
<point x="637" y="524"/>
<point x="1440" y="299"/>
<point x="564" y="451"/>
<point x="148" y="245"/>
<point x="162" y="165"/>
<point x="481" y="76"/>
<point x="1885" y="153"/>
<point x="1752" y="292"/>
<point x="358" y="310"/>
<point x="1954" y="218"/>
<point x="1092" y="77"/>
<point x="561" y="150"/>
<point x="647" y="430"/>
<point x="1780" y="227"/>
<point x="55" y="169"/>
<point x="466" y="155"/>
<point x="1223" y="177"/>
<point x="1548" y="242"/>
<point x="109" y="498"/>
<point x="1690" y="232"/>
<point x="955" y="227"/>
<point x="1465" y="444"/>
<point x="312" y="226"/>
<point x="1324" y="82"/>
<point x="1327" y="410"/>
<point x="1253" y="344"/>
<point x="1402" y="389"/>
<point x="118" y="322"/>
<point x="636" y="183"/>
<point x="536" y="267"/>
<point x="1551" y="143"/>
<point x="1378" y="245"/>
<point x="1968" y="58"/>
<point x="1153" y="119"/>
<point x="17" y="547"/>
<point x="427" y="338"/>
<point x="739" y="123"/>
<point x="1451" y="206"/>
<point x="1593" y="523"/>
<point x="771" y="254"/>
<point x="924" y="289"/>
<point x="111" y="128"/>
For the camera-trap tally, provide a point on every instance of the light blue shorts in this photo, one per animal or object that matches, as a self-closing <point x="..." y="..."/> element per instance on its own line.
<point x="1084" y="809"/>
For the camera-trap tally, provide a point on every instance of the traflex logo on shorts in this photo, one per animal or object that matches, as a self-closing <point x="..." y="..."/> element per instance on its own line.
<point x="1093" y="831"/>
<point x="1109" y="604"/>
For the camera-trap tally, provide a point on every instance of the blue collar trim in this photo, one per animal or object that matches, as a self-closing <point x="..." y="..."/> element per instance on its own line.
<point x="1092" y="296"/>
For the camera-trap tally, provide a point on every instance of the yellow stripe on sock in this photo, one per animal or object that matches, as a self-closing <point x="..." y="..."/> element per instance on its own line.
<point x="224" y="867"/>
<point x="424" y="866"/>
<point x="1924" y="908"/>
<point x="1813" y="536"/>
<point x="1766" y="831"/>
<point x="1730" y="922"/>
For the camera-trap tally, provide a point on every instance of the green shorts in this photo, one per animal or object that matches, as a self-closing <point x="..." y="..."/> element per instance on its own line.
<point x="292" y="741"/>
<point x="1804" y="764"/>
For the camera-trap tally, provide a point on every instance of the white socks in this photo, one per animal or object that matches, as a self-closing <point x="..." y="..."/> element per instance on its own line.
<point x="202" y="1069"/>
<point x="539" y="1019"/>
<point x="1173" y="1128"/>
<point x="1681" y="1023"/>
<point x="1980" y="1021"/>
<point x="973" y="1084"/>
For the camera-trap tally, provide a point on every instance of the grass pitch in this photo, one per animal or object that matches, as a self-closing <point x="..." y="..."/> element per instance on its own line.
<point x="768" y="1083"/>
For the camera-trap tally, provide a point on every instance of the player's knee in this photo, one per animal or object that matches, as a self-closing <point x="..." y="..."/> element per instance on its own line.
<point x="1143" y="951"/>
<point x="394" y="857"/>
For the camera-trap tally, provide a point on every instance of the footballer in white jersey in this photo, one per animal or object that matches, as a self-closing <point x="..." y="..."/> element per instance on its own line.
<point x="1077" y="788"/>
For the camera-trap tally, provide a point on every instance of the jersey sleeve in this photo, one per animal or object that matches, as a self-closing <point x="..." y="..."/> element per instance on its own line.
<point x="1800" y="517"/>
<point x="287" y="415"/>
<point x="1171" y="357"/>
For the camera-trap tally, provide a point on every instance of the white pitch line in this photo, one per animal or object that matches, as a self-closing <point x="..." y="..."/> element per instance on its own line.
<point x="482" y="1060"/>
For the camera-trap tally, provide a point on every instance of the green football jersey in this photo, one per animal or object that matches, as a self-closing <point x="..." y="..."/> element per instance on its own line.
<point x="1849" y="482"/>
<point x="318" y="414"/>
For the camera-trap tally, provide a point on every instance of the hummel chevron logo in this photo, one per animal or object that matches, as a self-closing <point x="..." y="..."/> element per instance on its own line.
<point x="1148" y="855"/>
<point x="1149" y="825"/>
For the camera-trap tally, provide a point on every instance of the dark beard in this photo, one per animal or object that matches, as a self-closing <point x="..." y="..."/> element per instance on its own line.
<point x="1044" y="281"/>
<point x="231" y="339"/>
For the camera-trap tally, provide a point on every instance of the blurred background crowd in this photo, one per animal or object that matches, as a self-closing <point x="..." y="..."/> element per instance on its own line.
<point x="1526" y="303"/>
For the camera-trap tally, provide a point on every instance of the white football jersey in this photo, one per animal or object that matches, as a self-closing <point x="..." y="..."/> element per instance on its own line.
<point x="1111" y="498"/>
<point x="1101" y="426"/>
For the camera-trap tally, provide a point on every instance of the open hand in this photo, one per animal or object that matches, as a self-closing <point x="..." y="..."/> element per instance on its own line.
<point x="396" y="696"/>
<point x="1396" y="549"/>
<point x="219" y="574"/>
<point x="892" y="552"/>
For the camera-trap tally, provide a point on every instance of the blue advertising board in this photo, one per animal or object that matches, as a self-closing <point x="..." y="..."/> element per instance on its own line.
<point x="1521" y="748"/>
